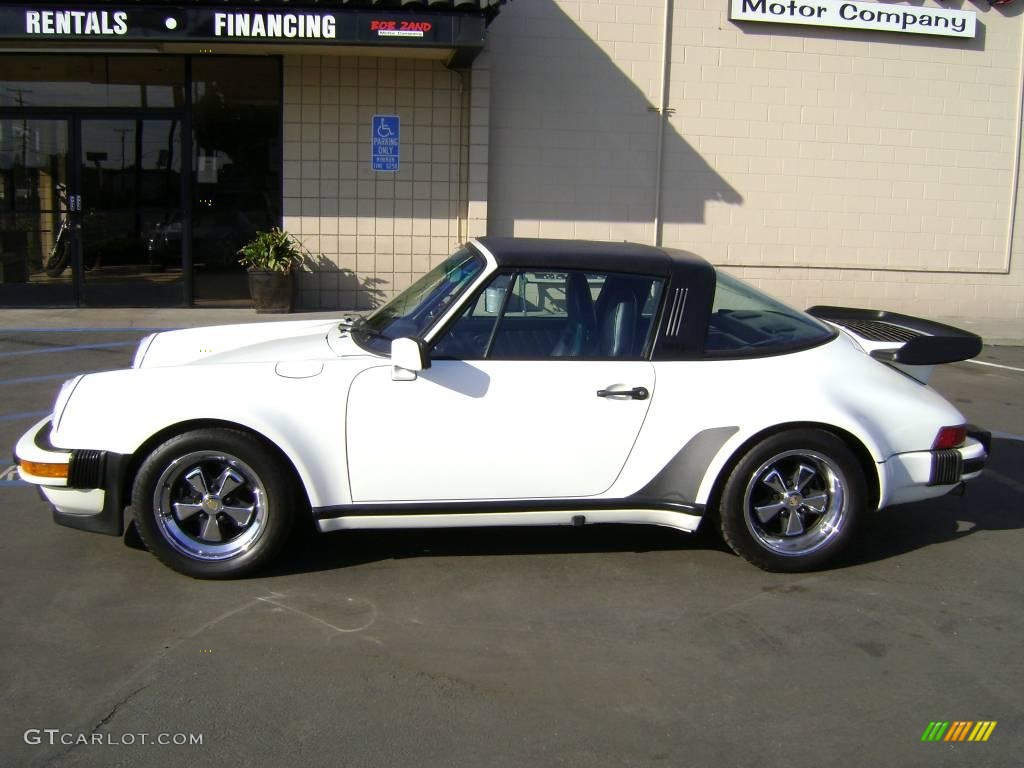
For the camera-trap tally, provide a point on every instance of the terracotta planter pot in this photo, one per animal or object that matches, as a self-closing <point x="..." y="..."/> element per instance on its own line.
<point x="272" y="292"/>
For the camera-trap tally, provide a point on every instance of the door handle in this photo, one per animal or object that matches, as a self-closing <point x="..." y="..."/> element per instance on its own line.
<point x="636" y="393"/>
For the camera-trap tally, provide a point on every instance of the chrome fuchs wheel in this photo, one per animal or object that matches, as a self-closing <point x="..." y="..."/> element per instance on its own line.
<point x="792" y="501"/>
<point x="210" y="505"/>
<point x="795" y="502"/>
<point x="215" y="503"/>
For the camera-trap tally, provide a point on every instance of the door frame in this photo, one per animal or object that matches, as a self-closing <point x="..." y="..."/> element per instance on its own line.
<point x="61" y="293"/>
<point x="73" y="118"/>
<point x="77" y="117"/>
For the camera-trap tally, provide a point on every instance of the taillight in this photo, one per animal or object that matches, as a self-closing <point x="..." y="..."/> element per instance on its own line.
<point x="950" y="437"/>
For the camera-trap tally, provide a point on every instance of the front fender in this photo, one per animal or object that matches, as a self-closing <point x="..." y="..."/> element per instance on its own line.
<point x="119" y="411"/>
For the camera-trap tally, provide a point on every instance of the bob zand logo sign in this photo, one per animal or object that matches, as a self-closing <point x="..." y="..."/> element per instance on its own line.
<point x="403" y="28"/>
<point x="847" y="14"/>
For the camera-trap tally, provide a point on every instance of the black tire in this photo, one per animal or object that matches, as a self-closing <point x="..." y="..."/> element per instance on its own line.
<point x="239" y="474"/>
<point x="793" y="501"/>
<point x="60" y="254"/>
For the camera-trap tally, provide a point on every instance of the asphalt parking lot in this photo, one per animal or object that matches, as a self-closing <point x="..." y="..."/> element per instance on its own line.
<point x="612" y="646"/>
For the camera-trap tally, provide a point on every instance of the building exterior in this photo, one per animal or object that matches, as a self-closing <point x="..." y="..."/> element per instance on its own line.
<point x="831" y="152"/>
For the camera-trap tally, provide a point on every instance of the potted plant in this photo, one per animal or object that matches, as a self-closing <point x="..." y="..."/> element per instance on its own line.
<point x="271" y="258"/>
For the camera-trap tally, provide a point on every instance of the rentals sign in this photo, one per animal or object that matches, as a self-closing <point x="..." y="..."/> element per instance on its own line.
<point x="853" y="15"/>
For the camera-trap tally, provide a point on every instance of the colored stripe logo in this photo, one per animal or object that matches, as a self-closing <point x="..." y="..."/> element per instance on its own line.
<point x="959" y="730"/>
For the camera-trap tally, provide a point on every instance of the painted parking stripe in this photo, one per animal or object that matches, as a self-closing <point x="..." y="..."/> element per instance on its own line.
<point x="84" y="330"/>
<point x="74" y="348"/>
<point x="1007" y="436"/>
<point x="997" y="365"/>
<point x="49" y="377"/>
<point x="9" y="477"/>
<point x="24" y="415"/>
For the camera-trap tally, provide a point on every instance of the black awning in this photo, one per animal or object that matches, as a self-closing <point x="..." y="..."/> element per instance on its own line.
<point x="455" y="25"/>
<point x="488" y="8"/>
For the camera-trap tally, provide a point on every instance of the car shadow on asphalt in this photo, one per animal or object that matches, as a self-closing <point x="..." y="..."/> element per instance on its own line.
<point x="993" y="502"/>
<point x="311" y="552"/>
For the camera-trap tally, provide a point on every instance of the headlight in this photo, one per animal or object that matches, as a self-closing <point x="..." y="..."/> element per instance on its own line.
<point x="140" y="353"/>
<point x="62" y="399"/>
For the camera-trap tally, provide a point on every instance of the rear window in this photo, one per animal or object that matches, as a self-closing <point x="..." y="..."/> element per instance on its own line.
<point x="745" y="321"/>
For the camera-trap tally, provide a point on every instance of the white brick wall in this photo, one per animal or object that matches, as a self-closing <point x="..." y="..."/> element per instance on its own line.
<point x="371" y="233"/>
<point x="827" y="165"/>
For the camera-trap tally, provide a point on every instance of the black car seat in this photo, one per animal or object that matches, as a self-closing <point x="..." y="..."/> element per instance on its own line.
<point x="619" y="312"/>
<point x="578" y="335"/>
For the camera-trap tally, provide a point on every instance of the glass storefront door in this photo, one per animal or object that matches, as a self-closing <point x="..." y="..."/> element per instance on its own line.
<point x="133" y="180"/>
<point x="91" y="212"/>
<point x="36" y="239"/>
<point x="130" y="181"/>
<point x="236" y="166"/>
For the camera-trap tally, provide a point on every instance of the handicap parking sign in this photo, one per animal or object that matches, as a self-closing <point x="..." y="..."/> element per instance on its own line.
<point x="385" y="142"/>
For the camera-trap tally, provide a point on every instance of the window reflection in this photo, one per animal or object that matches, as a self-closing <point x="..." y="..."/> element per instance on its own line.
<point x="92" y="81"/>
<point x="236" y="162"/>
<point x="33" y="202"/>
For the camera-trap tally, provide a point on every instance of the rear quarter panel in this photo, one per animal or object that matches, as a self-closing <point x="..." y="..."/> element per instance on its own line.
<point x="835" y="385"/>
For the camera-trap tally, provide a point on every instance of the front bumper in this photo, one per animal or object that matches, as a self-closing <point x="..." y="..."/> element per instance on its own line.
<point x="924" y="475"/>
<point x="91" y="497"/>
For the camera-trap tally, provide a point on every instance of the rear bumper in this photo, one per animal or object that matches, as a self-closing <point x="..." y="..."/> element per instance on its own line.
<point x="92" y="496"/>
<point x="924" y="475"/>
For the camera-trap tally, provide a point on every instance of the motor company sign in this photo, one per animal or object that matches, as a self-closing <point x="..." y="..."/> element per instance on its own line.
<point x="882" y="17"/>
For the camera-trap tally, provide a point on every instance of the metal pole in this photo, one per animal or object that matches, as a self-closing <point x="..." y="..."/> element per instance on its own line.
<point x="663" y="114"/>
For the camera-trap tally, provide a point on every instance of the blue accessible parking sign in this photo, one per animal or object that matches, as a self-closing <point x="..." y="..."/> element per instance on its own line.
<point x="385" y="142"/>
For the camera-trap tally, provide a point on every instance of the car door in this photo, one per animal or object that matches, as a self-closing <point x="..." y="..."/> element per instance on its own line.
<point x="537" y="390"/>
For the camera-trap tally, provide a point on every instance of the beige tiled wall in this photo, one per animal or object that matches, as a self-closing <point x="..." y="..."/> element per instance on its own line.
<point x="827" y="165"/>
<point x="371" y="233"/>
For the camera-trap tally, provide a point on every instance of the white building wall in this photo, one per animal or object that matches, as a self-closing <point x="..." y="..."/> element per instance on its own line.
<point x="369" y="234"/>
<point x="827" y="165"/>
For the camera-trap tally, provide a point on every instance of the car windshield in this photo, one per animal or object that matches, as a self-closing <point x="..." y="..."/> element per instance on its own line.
<point x="415" y="309"/>
<point x="745" y="321"/>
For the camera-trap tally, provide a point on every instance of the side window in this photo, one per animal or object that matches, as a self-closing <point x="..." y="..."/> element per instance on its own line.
<point x="538" y="315"/>
<point x="746" y="321"/>
<point x="468" y="336"/>
<point x="536" y="321"/>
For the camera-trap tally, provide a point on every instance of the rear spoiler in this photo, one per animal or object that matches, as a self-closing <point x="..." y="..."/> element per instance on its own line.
<point x="922" y="342"/>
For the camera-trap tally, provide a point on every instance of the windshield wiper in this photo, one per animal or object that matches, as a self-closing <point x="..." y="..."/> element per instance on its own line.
<point x="359" y="326"/>
<point x="348" y="321"/>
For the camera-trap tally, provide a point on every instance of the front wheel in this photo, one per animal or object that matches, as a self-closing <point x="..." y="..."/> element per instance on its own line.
<point x="792" y="501"/>
<point x="213" y="503"/>
<point x="60" y="254"/>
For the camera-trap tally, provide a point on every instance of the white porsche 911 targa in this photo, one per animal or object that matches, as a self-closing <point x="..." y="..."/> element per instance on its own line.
<point x="520" y="382"/>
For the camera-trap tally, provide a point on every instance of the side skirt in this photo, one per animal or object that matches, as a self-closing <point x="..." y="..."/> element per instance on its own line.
<point x="472" y="515"/>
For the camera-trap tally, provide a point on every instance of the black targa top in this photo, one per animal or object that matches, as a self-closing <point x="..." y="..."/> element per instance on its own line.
<point x="686" y="300"/>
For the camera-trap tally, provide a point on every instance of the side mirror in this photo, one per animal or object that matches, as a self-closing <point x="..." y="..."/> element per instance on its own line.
<point x="407" y="357"/>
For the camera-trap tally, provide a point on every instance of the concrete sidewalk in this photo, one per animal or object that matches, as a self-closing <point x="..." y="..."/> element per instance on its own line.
<point x="994" y="332"/>
<point x="147" y="317"/>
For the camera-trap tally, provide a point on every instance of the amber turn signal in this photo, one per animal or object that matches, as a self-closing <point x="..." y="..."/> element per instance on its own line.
<point x="38" y="469"/>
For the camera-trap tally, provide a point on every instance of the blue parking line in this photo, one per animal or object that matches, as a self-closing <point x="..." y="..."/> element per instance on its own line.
<point x="84" y="330"/>
<point x="51" y="377"/>
<point x="24" y="415"/>
<point x="12" y="483"/>
<point x="73" y="348"/>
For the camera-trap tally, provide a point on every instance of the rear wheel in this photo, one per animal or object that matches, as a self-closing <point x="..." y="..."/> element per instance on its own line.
<point x="213" y="503"/>
<point x="793" y="500"/>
